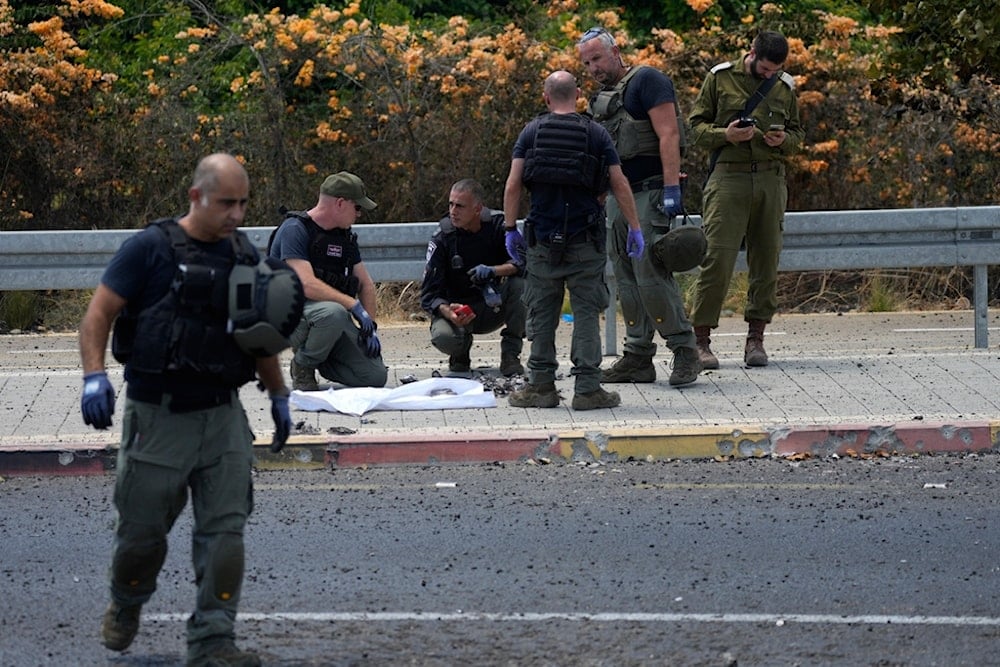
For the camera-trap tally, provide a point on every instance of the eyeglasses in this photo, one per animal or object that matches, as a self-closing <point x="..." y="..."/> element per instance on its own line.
<point x="591" y="34"/>
<point x="357" y="207"/>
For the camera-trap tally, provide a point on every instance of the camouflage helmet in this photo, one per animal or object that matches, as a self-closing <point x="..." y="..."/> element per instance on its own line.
<point x="681" y="249"/>
<point x="265" y="306"/>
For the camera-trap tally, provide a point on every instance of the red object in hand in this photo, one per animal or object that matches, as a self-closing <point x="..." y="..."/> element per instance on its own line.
<point x="462" y="310"/>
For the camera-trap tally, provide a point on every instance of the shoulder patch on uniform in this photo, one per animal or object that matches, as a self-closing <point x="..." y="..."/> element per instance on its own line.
<point x="788" y="80"/>
<point x="721" y="66"/>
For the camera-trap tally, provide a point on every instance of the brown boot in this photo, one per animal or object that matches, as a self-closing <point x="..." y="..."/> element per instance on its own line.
<point x="754" y="354"/>
<point x="708" y="360"/>
<point x="303" y="377"/>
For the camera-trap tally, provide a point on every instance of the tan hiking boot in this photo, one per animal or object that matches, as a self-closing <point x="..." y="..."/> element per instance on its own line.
<point x="510" y="364"/>
<point x="753" y="353"/>
<point x="630" y="368"/>
<point x="119" y="626"/>
<point x="596" y="400"/>
<point x="225" y="654"/>
<point x="535" y="396"/>
<point x="686" y="365"/>
<point x="705" y="355"/>
<point x="303" y="377"/>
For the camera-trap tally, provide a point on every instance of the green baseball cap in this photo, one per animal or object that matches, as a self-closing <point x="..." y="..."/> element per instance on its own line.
<point x="347" y="185"/>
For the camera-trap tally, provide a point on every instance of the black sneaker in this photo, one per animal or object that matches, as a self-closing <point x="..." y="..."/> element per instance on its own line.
<point x="119" y="626"/>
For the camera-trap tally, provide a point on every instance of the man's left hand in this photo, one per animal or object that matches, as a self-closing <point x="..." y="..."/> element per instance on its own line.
<point x="672" y="203"/>
<point x="282" y="420"/>
<point x="635" y="243"/>
<point x="482" y="274"/>
<point x="370" y="345"/>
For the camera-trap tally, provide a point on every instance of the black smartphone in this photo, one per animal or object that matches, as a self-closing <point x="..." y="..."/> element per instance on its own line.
<point x="745" y="122"/>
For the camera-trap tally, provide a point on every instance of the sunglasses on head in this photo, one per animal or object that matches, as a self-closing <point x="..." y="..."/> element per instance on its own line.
<point x="591" y="34"/>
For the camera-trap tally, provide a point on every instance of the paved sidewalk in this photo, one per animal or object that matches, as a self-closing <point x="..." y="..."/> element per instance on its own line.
<point x="850" y="385"/>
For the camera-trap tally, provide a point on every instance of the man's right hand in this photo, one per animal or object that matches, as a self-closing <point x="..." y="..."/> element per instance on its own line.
<point x="98" y="402"/>
<point x="365" y="321"/>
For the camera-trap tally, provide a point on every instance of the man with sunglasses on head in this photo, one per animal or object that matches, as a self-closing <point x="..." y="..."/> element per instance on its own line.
<point x="638" y="106"/>
<point x="338" y="335"/>
<point x="745" y="195"/>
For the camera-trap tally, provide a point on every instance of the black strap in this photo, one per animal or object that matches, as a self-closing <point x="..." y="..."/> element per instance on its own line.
<point x="758" y="96"/>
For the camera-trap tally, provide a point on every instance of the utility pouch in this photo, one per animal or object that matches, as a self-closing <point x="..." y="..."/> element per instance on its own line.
<point x="195" y="286"/>
<point x="557" y="248"/>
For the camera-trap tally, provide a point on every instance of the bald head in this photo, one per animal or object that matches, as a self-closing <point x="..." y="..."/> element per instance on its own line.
<point x="218" y="197"/>
<point x="561" y="92"/>
<point x="212" y="168"/>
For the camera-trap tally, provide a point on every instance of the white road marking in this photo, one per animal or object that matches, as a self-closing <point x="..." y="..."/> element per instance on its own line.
<point x="600" y="617"/>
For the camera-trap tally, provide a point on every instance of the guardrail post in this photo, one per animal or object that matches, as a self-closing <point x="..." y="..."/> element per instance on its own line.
<point x="980" y="300"/>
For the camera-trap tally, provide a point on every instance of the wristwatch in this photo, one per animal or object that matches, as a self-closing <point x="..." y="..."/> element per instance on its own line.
<point x="509" y="228"/>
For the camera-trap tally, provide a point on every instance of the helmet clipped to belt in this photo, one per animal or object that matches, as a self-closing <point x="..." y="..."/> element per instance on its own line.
<point x="681" y="249"/>
<point x="265" y="306"/>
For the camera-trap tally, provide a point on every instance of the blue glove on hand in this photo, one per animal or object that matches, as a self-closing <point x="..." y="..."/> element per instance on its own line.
<point x="482" y="274"/>
<point x="672" y="203"/>
<point x="370" y="345"/>
<point x="98" y="402"/>
<point x="635" y="244"/>
<point x="282" y="421"/>
<point x="365" y="321"/>
<point x="516" y="247"/>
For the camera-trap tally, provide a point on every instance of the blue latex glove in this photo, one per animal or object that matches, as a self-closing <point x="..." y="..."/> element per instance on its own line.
<point x="516" y="247"/>
<point x="98" y="401"/>
<point x="365" y="321"/>
<point x="672" y="203"/>
<point x="482" y="274"/>
<point x="370" y="345"/>
<point x="635" y="244"/>
<point x="282" y="421"/>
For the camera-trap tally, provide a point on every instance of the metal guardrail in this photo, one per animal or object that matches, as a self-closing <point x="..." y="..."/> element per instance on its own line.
<point x="813" y="241"/>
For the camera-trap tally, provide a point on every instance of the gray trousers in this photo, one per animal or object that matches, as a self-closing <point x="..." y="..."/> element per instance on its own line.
<point x="163" y="455"/>
<point x="651" y="301"/>
<point x="582" y="273"/>
<point x="327" y="340"/>
<point x="453" y="340"/>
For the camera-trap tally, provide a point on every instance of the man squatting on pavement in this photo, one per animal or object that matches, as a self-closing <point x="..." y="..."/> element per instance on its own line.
<point x="323" y="250"/>
<point x="566" y="161"/>
<point x="746" y="194"/>
<point x="639" y="108"/>
<point x="471" y="285"/>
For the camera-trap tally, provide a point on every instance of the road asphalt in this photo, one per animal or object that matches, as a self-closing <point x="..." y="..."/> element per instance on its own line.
<point x="856" y="384"/>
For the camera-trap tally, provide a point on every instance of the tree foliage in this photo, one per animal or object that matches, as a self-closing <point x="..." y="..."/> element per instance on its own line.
<point x="105" y="108"/>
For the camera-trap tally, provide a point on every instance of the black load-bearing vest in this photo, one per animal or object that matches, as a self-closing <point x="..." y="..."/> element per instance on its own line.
<point x="561" y="154"/>
<point x="331" y="253"/>
<point x="186" y="331"/>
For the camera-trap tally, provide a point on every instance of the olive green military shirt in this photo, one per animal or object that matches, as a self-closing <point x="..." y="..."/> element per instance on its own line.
<point x="723" y="95"/>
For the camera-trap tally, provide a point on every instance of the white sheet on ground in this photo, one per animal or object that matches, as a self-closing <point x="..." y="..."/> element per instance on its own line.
<point x="430" y="394"/>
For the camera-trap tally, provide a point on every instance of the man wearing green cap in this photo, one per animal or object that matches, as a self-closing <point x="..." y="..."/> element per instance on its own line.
<point x="337" y="335"/>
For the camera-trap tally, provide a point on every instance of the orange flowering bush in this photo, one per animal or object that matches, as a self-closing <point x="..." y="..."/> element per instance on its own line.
<point x="99" y="138"/>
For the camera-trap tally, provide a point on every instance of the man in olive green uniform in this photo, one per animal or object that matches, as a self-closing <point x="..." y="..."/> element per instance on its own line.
<point x="745" y="196"/>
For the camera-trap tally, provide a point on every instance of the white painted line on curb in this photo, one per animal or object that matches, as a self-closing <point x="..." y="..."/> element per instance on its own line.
<point x="608" y="617"/>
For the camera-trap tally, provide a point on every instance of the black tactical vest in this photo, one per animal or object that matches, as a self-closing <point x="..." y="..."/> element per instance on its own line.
<point x="562" y="155"/>
<point x="185" y="332"/>
<point x="331" y="253"/>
